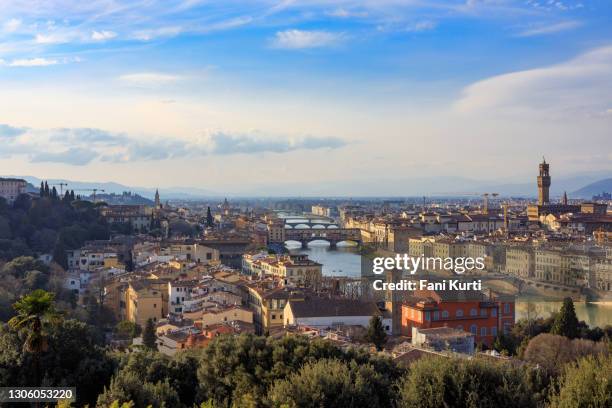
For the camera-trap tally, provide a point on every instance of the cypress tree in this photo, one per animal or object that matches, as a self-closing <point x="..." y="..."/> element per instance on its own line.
<point x="566" y="322"/>
<point x="209" y="218"/>
<point x="376" y="333"/>
<point x="46" y="189"/>
<point x="42" y="189"/>
<point x="149" y="338"/>
<point x="54" y="193"/>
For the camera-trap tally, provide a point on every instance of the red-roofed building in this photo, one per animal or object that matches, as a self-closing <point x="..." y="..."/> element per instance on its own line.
<point x="485" y="316"/>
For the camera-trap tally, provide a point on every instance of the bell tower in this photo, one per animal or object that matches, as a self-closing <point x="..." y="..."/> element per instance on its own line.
<point x="543" y="183"/>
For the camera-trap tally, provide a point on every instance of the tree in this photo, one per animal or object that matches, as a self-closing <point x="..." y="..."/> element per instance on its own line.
<point x="33" y="312"/>
<point x="59" y="252"/>
<point x="209" y="218"/>
<point x="376" y="333"/>
<point x="54" y="193"/>
<point x="149" y="338"/>
<point x="566" y="323"/>
<point x="331" y="383"/>
<point x="434" y="382"/>
<point x="587" y="383"/>
<point x="42" y="189"/>
<point x="553" y="352"/>
<point x="127" y="330"/>
<point x="47" y="192"/>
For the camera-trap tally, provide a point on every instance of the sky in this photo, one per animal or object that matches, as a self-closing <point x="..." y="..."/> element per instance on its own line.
<point x="271" y="96"/>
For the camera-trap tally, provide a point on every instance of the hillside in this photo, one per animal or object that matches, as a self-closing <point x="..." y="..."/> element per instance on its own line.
<point x="595" y="188"/>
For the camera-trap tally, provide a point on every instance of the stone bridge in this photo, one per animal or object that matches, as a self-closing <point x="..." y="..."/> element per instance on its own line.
<point x="333" y="236"/>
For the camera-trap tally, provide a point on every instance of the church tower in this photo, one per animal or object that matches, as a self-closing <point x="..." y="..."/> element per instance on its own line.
<point x="543" y="183"/>
<point x="157" y="202"/>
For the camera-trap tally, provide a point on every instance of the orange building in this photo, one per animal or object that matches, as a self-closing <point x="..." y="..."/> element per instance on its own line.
<point x="485" y="316"/>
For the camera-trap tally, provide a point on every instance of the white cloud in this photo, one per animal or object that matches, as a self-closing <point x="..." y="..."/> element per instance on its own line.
<point x="11" y="25"/>
<point x="149" y="78"/>
<point x="344" y="13"/>
<point x="297" y="39"/>
<point x="53" y="38"/>
<point x="33" y="62"/>
<point x="147" y="35"/>
<point x="419" y="26"/>
<point x="550" y="29"/>
<point x="102" y="35"/>
<point x="582" y="85"/>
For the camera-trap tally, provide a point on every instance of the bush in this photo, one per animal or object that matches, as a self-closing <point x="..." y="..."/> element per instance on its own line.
<point x="447" y="382"/>
<point x="587" y="383"/>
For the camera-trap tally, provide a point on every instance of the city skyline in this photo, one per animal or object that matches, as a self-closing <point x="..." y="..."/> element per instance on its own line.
<point x="227" y="95"/>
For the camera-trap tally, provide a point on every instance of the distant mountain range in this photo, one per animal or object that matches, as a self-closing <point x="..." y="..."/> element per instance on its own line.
<point x="577" y="186"/>
<point x="595" y="188"/>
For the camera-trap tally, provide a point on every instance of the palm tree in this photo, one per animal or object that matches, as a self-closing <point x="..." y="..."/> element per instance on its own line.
<point x="33" y="312"/>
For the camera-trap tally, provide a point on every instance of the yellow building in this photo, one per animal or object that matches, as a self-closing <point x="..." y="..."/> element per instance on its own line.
<point x="268" y="304"/>
<point x="568" y="268"/>
<point x="222" y="315"/>
<point x="146" y="299"/>
<point x="297" y="269"/>
<point x="520" y="262"/>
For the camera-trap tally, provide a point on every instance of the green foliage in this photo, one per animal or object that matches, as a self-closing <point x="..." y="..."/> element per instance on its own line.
<point x="566" y="323"/>
<point x="241" y="369"/>
<point x="376" y="333"/>
<point x="37" y="225"/>
<point x="332" y="383"/>
<point x="149" y="378"/>
<point x="149" y="337"/>
<point x="127" y="330"/>
<point x="587" y="383"/>
<point x="37" y="347"/>
<point x="21" y="276"/>
<point x="447" y="382"/>
<point x="33" y="311"/>
<point x="209" y="218"/>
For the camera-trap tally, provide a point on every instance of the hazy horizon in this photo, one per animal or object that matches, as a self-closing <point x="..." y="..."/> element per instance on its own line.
<point x="230" y="97"/>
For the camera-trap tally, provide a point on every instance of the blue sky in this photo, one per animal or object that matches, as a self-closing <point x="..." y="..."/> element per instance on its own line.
<point x="229" y="94"/>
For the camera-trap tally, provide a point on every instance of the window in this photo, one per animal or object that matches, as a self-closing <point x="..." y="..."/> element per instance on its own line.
<point x="154" y="305"/>
<point x="483" y="331"/>
<point x="445" y="314"/>
<point x="459" y="313"/>
<point x="273" y="316"/>
<point x="473" y="329"/>
<point x="436" y="315"/>
<point x="493" y="312"/>
<point x="428" y="316"/>
<point x="483" y="312"/>
<point x="473" y="312"/>
<point x="494" y="331"/>
<point x="506" y="308"/>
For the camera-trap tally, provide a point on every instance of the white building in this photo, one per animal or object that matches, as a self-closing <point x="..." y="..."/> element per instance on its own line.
<point x="10" y="188"/>
<point x="321" y="313"/>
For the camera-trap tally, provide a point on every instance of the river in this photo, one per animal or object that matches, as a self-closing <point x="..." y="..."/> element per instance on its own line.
<point x="346" y="261"/>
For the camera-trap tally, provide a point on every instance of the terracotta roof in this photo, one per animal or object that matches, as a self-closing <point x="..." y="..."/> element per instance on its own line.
<point x="321" y="307"/>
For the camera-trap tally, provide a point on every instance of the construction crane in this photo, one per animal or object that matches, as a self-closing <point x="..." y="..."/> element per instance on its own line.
<point x="93" y="190"/>
<point x="61" y="186"/>
<point x="485" y="197"/>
